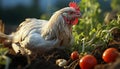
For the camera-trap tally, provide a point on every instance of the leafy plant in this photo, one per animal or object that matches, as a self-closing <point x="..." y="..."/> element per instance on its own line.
<point x="4" y="60"/>
<point x="91" y="30"/>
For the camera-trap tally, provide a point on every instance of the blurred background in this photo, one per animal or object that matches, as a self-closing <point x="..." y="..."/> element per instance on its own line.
<point x="13" y="12"/>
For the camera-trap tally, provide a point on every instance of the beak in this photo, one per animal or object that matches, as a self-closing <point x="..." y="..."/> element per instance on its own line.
<point x="79" y="15"/>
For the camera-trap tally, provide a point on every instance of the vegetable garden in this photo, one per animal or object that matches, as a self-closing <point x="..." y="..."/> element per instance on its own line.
<point x="95" y="33"/>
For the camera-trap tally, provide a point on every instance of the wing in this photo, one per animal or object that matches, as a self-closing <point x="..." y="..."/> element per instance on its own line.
<point x="28" y="37"/>
<point x="26" y="27"/>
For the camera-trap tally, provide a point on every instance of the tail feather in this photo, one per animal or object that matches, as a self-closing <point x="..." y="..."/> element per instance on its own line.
<point x="3" y="36"/>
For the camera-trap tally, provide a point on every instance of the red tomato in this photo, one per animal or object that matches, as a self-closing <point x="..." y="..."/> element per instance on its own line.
<point x="74" y="55"/>
<point x="87" y="62"/>
<point x="110" y="55"/>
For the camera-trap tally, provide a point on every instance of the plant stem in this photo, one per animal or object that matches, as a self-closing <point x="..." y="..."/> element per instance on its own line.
<point x="83" y="46"/>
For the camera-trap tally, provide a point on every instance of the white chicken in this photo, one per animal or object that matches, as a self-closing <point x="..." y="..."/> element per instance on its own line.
<point x="34" y="34"/>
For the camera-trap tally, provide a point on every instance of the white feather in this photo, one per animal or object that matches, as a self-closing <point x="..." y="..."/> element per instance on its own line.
<point x="34" y="33"/>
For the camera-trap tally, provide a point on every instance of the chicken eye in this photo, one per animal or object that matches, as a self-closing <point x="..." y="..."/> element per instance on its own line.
<point x="70" y="12"/>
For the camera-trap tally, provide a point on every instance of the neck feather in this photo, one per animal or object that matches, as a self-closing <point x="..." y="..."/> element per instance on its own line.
<point x="56" y="26"/>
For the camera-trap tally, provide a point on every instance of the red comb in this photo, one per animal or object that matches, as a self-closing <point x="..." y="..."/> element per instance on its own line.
<point x="74" y="5"/>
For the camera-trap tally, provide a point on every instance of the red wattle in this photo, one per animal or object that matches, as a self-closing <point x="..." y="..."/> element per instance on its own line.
<point x="75" y="21"/>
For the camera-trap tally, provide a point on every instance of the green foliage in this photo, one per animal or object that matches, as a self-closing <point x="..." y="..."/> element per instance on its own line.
<point x="4" y="60"/>
<point x="115" y="4"/>
<point x="91" y="32"/>
<point x="2" y="53"/>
